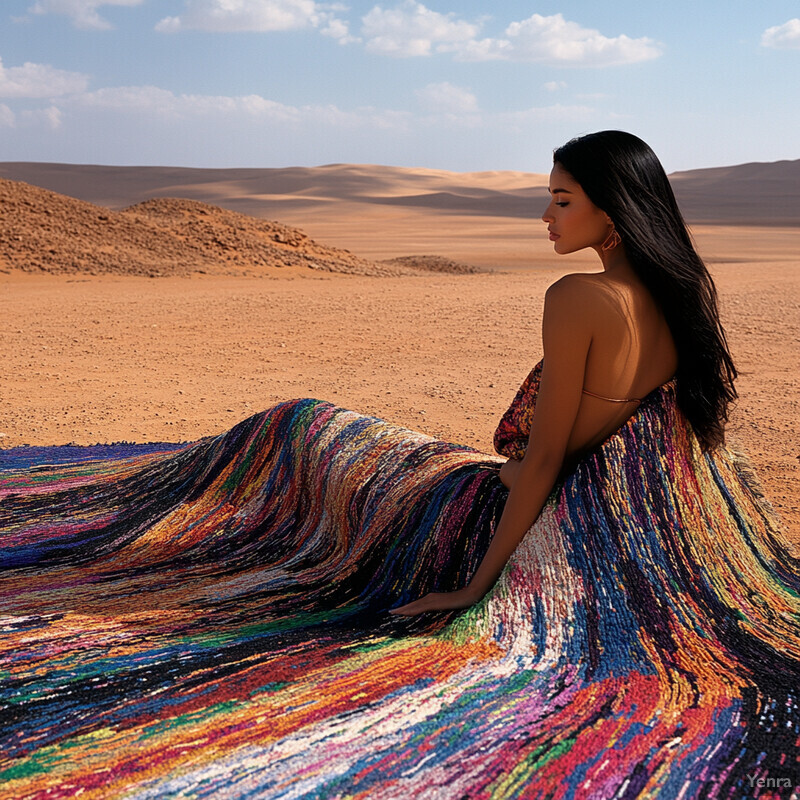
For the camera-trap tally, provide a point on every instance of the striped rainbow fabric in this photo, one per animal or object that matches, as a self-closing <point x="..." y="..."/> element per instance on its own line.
<point x="210" y="622"/>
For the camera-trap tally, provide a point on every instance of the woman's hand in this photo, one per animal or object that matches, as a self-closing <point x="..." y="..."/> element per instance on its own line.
<point x="437" y="601"/>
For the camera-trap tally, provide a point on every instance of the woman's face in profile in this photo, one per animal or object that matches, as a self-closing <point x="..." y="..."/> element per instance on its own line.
<point x="573" y="220"/>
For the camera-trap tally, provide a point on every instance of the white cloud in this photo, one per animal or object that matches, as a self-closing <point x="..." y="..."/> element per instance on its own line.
<point x="151" y="124"/>
<point x="39" y="80"/>
<point x="411" y="29"/>
<point x="338" y="29"/>
<point x="554" y="86"/>
<point x="154" y="102"/>
<point x="783" y="36"/>
<point x="7" y="117"/>
<point x="554" y="40"/>
<point x="50" y="117"/>
<point x="233" y="16"/>
<point x="446" y="98"/>
<point x="162" y="102"/>
<point x="83" y="13"/>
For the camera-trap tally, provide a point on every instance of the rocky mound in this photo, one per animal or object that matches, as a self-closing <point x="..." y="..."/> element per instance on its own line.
<point x="433" y="264"/>
<point x="42" y="231"/>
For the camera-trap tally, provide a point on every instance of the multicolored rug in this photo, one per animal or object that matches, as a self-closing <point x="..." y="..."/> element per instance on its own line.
<point x="209" y="621"/>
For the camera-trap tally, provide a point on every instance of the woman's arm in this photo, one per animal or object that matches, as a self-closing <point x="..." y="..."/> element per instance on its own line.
<point x="566" y="337"/>
<point x="508" y="472"/>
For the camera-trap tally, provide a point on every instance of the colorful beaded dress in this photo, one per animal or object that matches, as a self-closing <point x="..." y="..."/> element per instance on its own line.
<point x="210" y="621"/>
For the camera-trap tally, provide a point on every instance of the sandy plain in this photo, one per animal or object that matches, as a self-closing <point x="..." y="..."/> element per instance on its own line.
<point x="110" y="358"/>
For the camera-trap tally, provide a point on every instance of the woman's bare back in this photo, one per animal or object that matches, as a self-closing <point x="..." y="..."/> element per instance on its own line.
<point x="631" y="353"/>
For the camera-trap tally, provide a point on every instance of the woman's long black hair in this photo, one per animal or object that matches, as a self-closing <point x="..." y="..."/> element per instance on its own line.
<point x="622" y="176"/>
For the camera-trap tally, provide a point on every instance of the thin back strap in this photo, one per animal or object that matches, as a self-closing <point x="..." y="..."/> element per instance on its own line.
<point x="612" y="399"/>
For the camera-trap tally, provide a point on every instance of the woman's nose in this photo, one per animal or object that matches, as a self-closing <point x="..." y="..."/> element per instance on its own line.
<point x="547" y="216"/>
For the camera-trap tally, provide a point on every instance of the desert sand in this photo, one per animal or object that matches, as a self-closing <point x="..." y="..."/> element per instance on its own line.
<point x="112" y="357"/>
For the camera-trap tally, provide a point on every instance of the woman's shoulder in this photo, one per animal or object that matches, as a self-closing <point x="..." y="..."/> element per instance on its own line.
<point x="584" y="296"/>
<point x="580" y="285"/>
<point x="591" y="282"/>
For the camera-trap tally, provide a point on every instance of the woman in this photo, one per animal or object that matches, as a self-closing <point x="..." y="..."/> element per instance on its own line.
<point x="650" y="315"/>
<point x="211" y="621"/>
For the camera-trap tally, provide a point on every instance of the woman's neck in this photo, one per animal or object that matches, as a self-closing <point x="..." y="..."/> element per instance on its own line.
<point x="615" y="262"/>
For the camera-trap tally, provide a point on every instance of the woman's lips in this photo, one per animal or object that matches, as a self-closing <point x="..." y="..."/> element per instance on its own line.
<point x="553" y="236"/>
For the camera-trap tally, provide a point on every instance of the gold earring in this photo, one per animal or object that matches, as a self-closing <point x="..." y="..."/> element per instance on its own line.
<point x="612" y="240"/>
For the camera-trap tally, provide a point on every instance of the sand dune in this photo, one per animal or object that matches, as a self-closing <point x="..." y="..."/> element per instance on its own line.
<point x="751" y="194"/>
<point x="43" y="231"/>
<point x="487" y="219"/>
<point x="117" y="187"/>
<point x="748" y="194"/>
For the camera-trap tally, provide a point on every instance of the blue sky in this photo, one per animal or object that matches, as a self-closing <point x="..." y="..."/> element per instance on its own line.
<point x="442" y="84"/>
